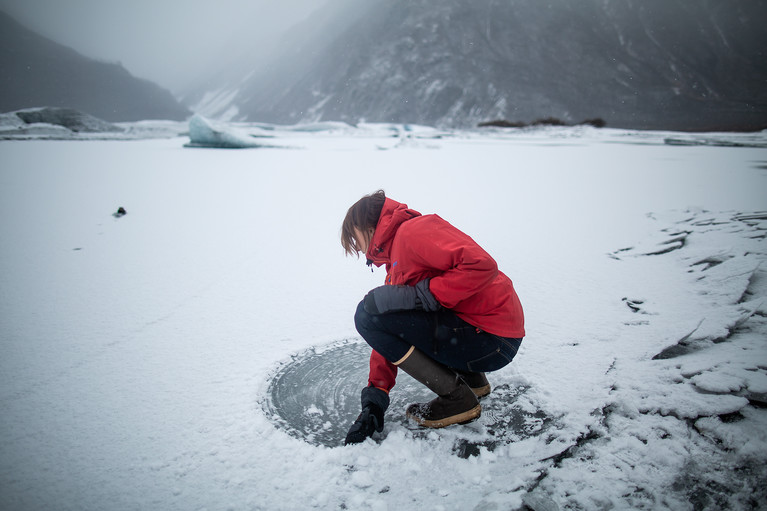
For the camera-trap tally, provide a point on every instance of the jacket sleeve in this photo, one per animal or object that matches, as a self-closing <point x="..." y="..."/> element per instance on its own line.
<point x="383" y="373"/>
<point x="461" y="267"/>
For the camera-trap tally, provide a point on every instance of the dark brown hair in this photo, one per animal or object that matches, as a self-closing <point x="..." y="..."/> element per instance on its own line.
<point x="363" y="215"/>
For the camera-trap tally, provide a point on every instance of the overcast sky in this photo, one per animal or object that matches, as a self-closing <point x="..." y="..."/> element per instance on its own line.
<point x="171" y="42"/>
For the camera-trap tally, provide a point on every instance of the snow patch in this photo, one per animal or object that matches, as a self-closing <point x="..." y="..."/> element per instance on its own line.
<point x="143" y="348"/>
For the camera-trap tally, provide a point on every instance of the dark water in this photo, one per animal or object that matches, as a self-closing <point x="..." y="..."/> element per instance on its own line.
<point x="316" y="397"/>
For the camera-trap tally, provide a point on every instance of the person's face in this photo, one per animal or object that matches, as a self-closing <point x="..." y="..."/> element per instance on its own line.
<point x="363" y="241"/>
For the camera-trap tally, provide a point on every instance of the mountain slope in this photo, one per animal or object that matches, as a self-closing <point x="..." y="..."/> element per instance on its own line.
<point x="645" y="64"/>
<point x="35" y="71"/>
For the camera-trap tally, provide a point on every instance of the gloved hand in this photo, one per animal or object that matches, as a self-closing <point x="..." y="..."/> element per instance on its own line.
<point x="374" y="403"/>
<point x="385" y="299"/>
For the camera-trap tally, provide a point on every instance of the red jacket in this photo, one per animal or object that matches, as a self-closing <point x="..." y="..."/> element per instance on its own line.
<point x="464" y="278"/>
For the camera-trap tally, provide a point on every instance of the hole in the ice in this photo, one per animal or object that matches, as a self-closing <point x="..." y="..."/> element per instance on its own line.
<point x="315" y="397"/>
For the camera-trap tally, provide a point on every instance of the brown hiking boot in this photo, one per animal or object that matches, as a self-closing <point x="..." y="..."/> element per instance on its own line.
<point x="456" y="402"/>
<point x="458" y="407"/>
<point x="477" y="381"/>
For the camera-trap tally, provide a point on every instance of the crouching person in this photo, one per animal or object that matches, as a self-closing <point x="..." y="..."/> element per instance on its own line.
<point x="446" y="315"/>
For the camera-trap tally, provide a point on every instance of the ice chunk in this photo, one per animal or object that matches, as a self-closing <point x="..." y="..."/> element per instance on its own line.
<point x="539" y="502"/>
<point x="718" y="383"/>
<point x="204" y="133"/>
<point x="756" y="382"/>
<point x="320" y="127"/>
<point x="68" y="118"/>
<point x="682" y="402"/>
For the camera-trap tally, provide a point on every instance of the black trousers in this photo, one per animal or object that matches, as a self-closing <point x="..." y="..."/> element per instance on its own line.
<point x="441" y="335"/>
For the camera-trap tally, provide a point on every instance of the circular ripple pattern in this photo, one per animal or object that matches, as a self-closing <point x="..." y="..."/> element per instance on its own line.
<point x="315" y="396"/>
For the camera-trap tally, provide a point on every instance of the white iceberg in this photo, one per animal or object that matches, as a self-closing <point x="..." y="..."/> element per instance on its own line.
<point x="205" y="133"/>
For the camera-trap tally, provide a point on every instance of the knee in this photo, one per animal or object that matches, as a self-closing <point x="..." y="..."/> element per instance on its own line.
<point x="362" y="320"/>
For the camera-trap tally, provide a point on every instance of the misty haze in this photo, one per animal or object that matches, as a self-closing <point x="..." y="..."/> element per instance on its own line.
<point x="177" y="317"/>
<point x="680" y="65"/>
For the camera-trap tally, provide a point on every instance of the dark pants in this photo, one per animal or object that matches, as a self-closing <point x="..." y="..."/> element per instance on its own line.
<point x="442" y="335"/>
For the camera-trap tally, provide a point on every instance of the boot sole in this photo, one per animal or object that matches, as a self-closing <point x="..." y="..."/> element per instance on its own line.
<point x="481" y="391"/>
<point x="460" y="418"/>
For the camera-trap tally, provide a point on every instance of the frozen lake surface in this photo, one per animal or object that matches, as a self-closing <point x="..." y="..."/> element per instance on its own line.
<point x="199" y="352"/>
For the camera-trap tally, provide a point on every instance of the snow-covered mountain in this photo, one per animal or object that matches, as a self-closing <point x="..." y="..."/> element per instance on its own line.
<point x="662" y="64"/>
<point x="36" y="72"/>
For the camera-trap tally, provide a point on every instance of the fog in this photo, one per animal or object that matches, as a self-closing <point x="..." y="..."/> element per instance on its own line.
<point x="639" y="65"/>
<point x="174" y="43"/>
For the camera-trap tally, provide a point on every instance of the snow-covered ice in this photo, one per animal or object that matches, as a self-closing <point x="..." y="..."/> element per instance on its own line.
<point x="138" y="352"/>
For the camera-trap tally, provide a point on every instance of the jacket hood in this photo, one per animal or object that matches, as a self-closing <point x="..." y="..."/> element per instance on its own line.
<point x="393" y="214"/>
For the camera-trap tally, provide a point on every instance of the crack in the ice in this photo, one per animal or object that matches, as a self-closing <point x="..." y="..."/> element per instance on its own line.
<point x="681" y="347"/>
<point x="679" y="241"/>
<point x="634" y="305"/>
<point x="591" y="434"/>
<point x="712" y="261"/>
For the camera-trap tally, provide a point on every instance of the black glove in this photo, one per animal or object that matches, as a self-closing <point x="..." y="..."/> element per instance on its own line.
<point x="374" y="403"/>
<point x="385" y="299"/>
